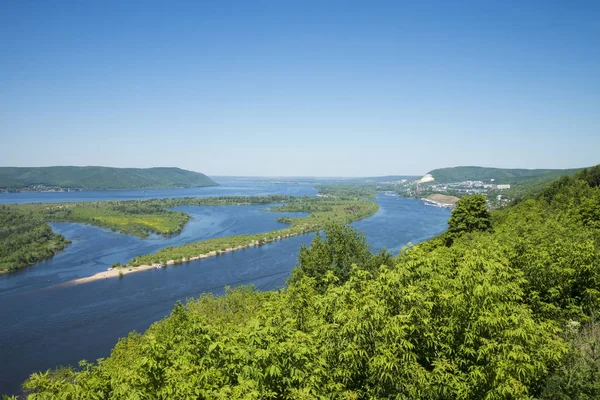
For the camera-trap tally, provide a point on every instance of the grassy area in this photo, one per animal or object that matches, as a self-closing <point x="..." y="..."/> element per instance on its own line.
<point x="140" y="220"/>
<point x="137" y="217"/>
<point x="321" y="212"/>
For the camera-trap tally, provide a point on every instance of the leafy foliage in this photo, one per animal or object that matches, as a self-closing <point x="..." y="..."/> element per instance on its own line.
<point x="337" y="251"/>
<point x="470" y="215"/>
<point x="577" y="376"/>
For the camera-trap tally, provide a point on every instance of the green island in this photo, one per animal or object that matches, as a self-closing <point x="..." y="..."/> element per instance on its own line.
<point x="321" y="212"/>
<point x="98" y="178"/>
<point x="25" y="239"/>
<point x="138" y="217"/>
<point x="503" y="305"/>
<point x="144" y="217"/>
<point x="354" y="190"/>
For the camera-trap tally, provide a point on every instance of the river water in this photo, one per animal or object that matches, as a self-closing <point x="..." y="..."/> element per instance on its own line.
<point x="46" y="323"/>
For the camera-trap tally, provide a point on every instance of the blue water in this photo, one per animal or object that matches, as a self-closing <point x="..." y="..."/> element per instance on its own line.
<point x="228" y="187"/>
<point x="95" y="249"/>
<point x="45" y="324"/>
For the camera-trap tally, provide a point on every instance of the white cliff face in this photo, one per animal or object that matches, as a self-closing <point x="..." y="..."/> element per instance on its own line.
<point x="426" y="178"/>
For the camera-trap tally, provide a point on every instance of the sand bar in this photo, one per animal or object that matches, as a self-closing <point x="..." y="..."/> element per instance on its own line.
<point x="125" y="270"/>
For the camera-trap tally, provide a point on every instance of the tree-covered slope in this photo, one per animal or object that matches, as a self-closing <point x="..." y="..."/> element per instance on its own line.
<point x="101" y="178"/>
<point x="502" y="306"/>
<point x="501" y="175"/>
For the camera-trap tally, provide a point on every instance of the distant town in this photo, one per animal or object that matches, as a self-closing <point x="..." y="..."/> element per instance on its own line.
<point x="447" y="194"/>
<point x="38" y="188"/>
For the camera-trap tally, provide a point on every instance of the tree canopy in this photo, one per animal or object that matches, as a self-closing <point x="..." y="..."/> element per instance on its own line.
<point x="470" y="215"/>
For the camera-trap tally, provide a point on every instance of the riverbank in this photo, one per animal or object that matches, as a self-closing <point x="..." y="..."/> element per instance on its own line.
<point x="441" y="200"/>
<point x="118" y="272"/>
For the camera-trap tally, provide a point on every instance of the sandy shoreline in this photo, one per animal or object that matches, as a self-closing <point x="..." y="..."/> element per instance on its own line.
<point x="125" y="270"/>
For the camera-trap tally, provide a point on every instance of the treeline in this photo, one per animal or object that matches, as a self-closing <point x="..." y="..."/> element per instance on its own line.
<point x="350" y="190"/>
<point x="500" y="175"/>
<point x="25" y="239"/>
<point x="501" y="306"/>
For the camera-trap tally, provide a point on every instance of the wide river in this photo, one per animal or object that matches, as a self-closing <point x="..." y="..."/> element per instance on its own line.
<point x="47" y="322"/>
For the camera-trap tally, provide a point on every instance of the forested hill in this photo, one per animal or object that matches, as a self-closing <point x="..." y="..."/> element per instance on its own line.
<point x="500" y="175"/>
<point x="100" y="178"/>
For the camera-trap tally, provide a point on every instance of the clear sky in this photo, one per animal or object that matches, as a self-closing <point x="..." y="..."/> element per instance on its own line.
<point x="323" y="88"/>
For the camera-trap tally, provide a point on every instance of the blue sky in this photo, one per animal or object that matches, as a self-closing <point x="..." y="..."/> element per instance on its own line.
<point x="323" y="88"/>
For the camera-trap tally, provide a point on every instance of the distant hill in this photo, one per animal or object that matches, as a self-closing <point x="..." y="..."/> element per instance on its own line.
<point x="500" y="175"/>
<point x="100" y="178"/>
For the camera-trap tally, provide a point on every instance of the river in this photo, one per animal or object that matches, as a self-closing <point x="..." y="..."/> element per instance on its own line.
<point x="46" y="323"/>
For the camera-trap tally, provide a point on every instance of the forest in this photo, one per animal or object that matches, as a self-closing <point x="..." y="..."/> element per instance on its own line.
<point x="99" y="178"/>
<point x="503" y="305"/>
<point x="501" y="175"/>
<point x="25" y="239"/>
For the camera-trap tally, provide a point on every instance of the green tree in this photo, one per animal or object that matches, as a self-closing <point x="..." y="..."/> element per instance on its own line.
<point x="336" y="250"/>
<point x="470" y="215"/>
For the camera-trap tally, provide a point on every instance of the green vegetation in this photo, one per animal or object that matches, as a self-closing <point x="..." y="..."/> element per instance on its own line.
<point x="470" y="215"/>
<point x="501" y="175"/>
<point x="138" y="217"/>
<point x="335" y="251"/>
<point x="25" y="239"/>
<point x="100" y="178"/>
<point x="144" y="217"/>
<point x="347" y="190"/>
<point x="322" y="212"/>
<point x="508" y="312"/>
